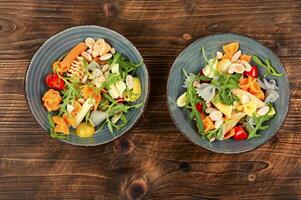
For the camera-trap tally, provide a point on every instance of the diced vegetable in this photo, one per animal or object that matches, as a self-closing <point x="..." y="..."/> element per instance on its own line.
<point x="181" y="101"/>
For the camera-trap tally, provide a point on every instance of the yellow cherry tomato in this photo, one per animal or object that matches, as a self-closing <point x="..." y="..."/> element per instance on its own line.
<point x="85" y="130"/>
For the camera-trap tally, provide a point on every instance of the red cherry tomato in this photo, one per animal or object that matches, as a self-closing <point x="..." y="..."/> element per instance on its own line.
<point x="199" y="107"/>
<point x="120" y="100"/>
<point x="253" y="72"/>
<point x="54" y="82"/>
<point x="240" y="133"/>
<point x="201" y="72"/>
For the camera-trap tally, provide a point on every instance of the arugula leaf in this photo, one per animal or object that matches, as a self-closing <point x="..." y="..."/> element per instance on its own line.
<point x="87" y="116"/>
<point x="192" y="100"/>
<point x="272" y="69"/>
<point x="116" y="107"/>
<point x="258" y="121"/>
<point x="116" y="58"/>
<point x="123" y="119"/>
<point x="50" y="121"/>
<point x="85" y="63"/>
<point x="108" y="97"/>
<point x="225" y="83"/>
<point x="58" y="136"/>
<point x="269" y="69"/>
<point x="215" y="134"/>
<point x="69" y="94"/>
<point x="110" y="126"/>
<point x="119" y="107"/>
<point x="126" y="66"/>
<point x="104" y="103"/>
<point x="112" y="79"/>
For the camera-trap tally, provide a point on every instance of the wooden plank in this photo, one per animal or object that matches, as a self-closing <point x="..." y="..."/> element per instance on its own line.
<point x="153" y="160"/>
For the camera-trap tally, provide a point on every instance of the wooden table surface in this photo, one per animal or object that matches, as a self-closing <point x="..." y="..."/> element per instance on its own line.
<point x="153" y="160"/>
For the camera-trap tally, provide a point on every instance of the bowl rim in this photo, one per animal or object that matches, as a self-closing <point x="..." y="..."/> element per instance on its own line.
<point x="285" y="113"/>
<point x="29" y="66"/>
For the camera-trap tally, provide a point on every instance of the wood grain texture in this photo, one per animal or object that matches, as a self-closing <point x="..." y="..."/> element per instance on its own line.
<point x="152" y="161"/>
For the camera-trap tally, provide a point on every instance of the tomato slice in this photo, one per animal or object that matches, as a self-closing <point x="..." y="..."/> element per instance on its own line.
<point x="54" y="82"/>
<point x="240" y="133"/>
<point x="253" y="72"/>
<point x="199" y="107"/>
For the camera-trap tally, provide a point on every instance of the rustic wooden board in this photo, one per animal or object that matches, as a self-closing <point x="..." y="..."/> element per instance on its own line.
<point x="153" y="160"/>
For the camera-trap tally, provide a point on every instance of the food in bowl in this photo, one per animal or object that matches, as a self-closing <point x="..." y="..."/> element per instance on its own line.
<point x="229" y="99"/>
<point x="90" y="86"/>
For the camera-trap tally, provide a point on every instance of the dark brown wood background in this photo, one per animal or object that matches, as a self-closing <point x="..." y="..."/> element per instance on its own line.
<point x="153" y="160"/>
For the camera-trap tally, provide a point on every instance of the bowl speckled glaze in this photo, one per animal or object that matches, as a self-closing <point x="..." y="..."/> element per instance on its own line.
<point x="58" y="45"/>
<point x="192" y="61"/>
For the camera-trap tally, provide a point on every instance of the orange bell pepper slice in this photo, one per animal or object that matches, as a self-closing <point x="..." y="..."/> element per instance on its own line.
<point x="229" y="134"/>
<point x="251" y="85"/>
<point x="260" y="95"/>
<point x="245" y="57"/>
<point x="230" y="49"/>
<point x="254" y="87"/>
<point x="208" y="124"/>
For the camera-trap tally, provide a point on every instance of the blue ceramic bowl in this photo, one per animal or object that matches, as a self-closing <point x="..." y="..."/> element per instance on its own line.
<point x="192" y="61"/>
<point x="57" y="46"/>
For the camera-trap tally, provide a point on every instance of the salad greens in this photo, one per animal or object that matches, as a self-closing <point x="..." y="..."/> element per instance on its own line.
<point x="215" y="134"/>
<point x="257" y="123"/>
<point x="192" y="100"/>
<point x="225" y="83"/>
<point x="269" y="69"/>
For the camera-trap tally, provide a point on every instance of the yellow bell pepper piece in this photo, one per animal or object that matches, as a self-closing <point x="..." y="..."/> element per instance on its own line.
<point x="135" y="93"/>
